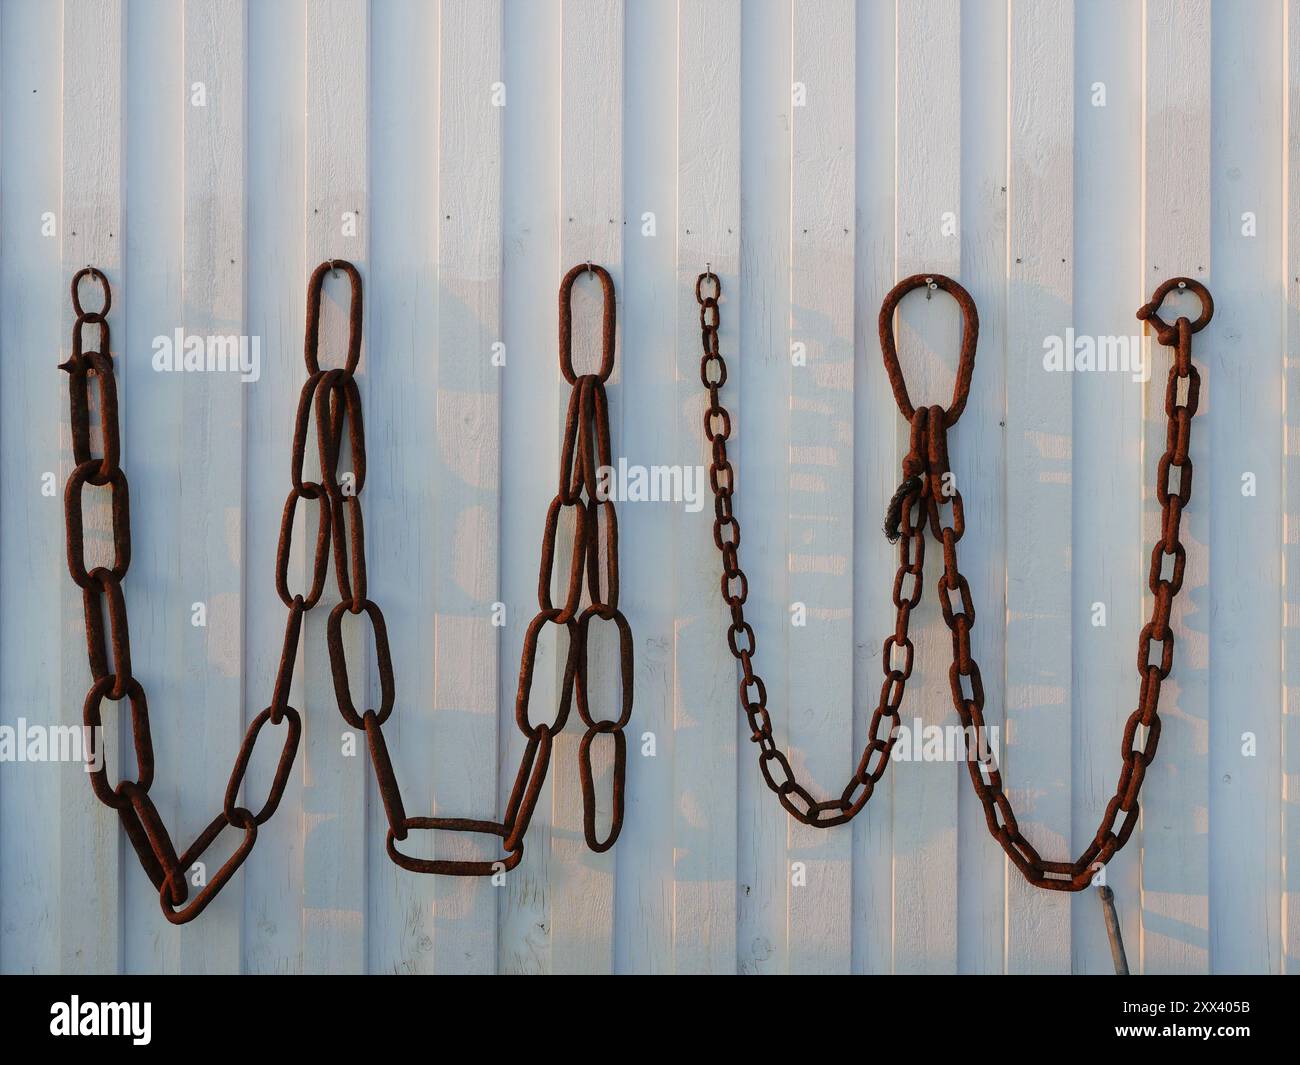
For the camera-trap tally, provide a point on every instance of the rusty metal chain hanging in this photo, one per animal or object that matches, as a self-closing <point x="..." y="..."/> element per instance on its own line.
<point x="882" y="734"/>
<point x="336" y="400"/>
<point x="585" y="448"/>
<point x="919" y="499"/>
<point x="113" y="679"/>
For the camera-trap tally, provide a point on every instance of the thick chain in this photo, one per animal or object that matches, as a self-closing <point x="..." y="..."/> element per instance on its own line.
<point x="585" y="449"/>
<point x="926" y="485"/>
<point x="113" y="680"/>
<point x="335" y="399"/>
<point x="1165" y="579"/>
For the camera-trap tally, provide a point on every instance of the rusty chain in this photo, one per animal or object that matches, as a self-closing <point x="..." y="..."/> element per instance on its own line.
<point x="113" y="680"/>
<point x="898" y="649"/>
<point x="585" y="448"/>
<point x="333" y="397"/>
<point x="1165" y="579"/>
<point x="926" y="489"/>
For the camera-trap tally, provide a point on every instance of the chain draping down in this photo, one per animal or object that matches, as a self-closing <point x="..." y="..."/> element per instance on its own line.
<point x="332" y="395"/>
<point x="925" y="491"/>
<point x="102" y="586"/>
<point x="584" y="450"/>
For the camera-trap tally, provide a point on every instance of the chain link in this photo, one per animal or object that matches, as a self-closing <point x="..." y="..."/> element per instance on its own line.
<point x="584" y="449"/>
<point x="926" y="489"/>
<point x="101" y="589"/>
<point x="898" y="651"/>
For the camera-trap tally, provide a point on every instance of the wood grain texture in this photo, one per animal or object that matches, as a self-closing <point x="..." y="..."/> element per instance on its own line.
<point x="1245" y="449"/>
<point x="655" y="138"/>
<point x="1290" y="739"/>
<point x="337" y="225"/>
<point x="705" y="702"/>
<point x="927" y="238"/>
<point x="591" y="230"/>
<point x="34" y="679"/>
<point x="408" y="479"/>
<point x="1177" y="242"/>
<point x="820" y="510"/>
<point x="762" y="375"/>
<point x="87" y="835"/>
<point x="1106" y="441"/>
<point x="530" y="427"/>
<point x="875" y="432"/>
<point x="1036" y="754"/>
<point x="211" y="537"/>
<point x="981" y="452"/>
<point x="644" y="875"/>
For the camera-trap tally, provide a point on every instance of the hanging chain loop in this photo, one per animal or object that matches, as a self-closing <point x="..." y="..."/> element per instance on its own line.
<point x="112" y="677"/>
<point x="927" y="496"/>
<point x="584" y="449"/>
<point x="905" y="524"/>
<point x="1154" y="664"/>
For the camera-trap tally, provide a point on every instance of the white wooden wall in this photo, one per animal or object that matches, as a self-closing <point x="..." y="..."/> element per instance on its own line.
<point x="1067" y="215"/>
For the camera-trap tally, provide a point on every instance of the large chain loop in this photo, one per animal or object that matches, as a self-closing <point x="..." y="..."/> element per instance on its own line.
<point x="927" y="490"/>
<point x="1154" y="664"/>
<point x="584" y="450"/>
<point x="102" y="589"/>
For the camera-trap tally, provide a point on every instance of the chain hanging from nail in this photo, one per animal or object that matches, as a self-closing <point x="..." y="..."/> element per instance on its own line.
<point x="924" y="493"/>
<point x="112" y="678"/>
<point x="584" y="450"/>
<point x="1165" y="579"/>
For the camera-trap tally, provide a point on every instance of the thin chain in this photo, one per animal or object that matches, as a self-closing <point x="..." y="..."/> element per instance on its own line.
<point x="926" y="486"/>
<point x="1165" y="579"/>
<point x="101" y="587"/>
<point x="898" y="652"/>
<point x="585" y="448"/>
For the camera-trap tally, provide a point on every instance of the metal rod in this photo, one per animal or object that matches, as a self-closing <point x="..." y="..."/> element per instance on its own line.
<point x="1112" y="930"/>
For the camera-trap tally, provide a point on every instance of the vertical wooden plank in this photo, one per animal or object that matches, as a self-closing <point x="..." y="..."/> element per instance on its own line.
<point x="89" y="844"/>
<point x="274" y="276"/>
<point x="820" y="514"/>
<point x="407" y="482"/>
<point x="928" y="239"/>
<point x="1244" y="449"/>
<point x="705" y="703"/>
<point x="153" y="439"/>
<point x="644" y="884"/>
<point x="210" y="518"/>
<point x="468" y="424"/>
<point x="591" y="210"/>
<point x="337" y="226"/>
<point x="1176" y="174"/>
<point x="530" y="430"/>
<point x="762" y="379"/>
<point x="874" y="473"/>
<point x="980" y="447"/>
<point x="1037" y="749"/>
<point x="33" y="436"/>
<point x="1289" y="793"/>
<point x="1107" y="551"/>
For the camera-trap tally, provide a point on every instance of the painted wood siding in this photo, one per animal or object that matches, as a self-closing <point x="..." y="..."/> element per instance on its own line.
<point x="1058" y="157"/>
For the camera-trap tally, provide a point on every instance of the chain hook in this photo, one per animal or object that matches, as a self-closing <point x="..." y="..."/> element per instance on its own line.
<point x="969" y="340"/>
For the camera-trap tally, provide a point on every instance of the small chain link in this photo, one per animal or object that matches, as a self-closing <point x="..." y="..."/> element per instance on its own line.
<point x="927" y="490"/>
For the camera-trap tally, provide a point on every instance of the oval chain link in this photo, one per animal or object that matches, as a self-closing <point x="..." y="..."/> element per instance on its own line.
<point x="926" y="490"/>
